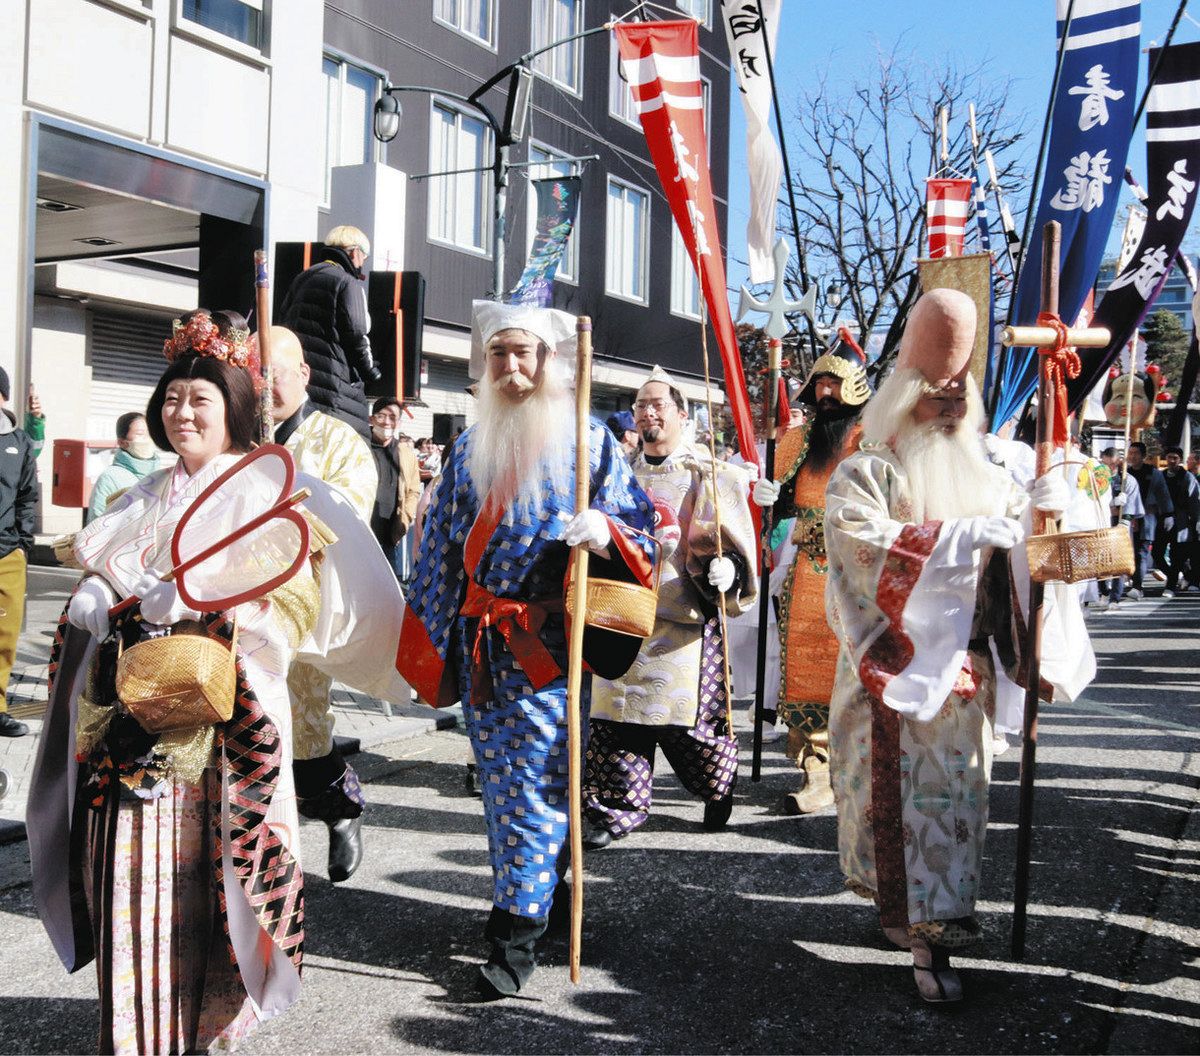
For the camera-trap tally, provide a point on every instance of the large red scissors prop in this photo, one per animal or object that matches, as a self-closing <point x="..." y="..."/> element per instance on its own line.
<point x="283" y="530"/>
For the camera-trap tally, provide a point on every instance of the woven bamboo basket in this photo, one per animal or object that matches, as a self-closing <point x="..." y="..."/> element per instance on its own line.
<point x="1074" y="557"/>
<point x="178" y="682"/>
<point x="614" y="605"/>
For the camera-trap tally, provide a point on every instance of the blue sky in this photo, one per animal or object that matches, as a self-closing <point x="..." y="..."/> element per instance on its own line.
<point x="1016" y="37"/>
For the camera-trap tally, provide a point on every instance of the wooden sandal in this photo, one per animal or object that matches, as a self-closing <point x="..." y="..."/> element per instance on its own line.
<point x="936" y="981"/>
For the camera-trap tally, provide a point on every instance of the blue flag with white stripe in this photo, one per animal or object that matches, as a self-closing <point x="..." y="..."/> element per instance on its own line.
<point x="1091" y="124"/>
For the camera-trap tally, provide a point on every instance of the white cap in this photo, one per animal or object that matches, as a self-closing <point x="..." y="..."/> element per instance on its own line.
<point x="556" y="328"/>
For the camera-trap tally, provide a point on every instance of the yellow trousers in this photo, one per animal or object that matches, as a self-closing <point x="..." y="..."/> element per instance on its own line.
<point x="12" y="605"/>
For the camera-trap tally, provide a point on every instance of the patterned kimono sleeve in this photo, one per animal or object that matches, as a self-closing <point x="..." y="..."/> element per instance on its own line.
<point x="428" y="637"/>
<point x="738" y="537"/>
<point x="615" y="490"/>
<point x="900" y="596"/>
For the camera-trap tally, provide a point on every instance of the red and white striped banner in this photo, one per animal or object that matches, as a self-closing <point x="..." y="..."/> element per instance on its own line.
<point x="946" y="205"/>
<point x="661" y="63"/>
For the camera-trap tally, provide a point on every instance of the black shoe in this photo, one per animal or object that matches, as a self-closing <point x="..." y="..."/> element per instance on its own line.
<point x="594" y="837"/>
<point x="345" y="848"/>
<point x="512" y="959"/>
<point x="472" y="782"/>
<point x="716" y="813"/>
<point x="10" y="727"/>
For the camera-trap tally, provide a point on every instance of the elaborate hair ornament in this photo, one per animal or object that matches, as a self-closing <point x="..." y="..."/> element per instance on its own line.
<point x="200" y="336"/>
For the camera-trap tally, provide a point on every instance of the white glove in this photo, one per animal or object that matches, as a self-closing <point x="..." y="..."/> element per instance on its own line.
<point x="721" y="574"/>
<point x="766" y="491"/>
<point x="1120" y="499"/>
<point x="1051" y="494"/>
<point x="590" y="529"/>
<point x="89" y="607"/>
<point x="1001" y="532"/>
<point x="161" y="603"/>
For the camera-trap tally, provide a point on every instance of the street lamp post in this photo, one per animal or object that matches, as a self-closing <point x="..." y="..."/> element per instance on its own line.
<point x="388" y="115"/>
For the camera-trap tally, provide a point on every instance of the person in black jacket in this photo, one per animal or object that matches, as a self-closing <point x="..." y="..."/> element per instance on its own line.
<point x="326" y="307"/>
<point x="18" y="499"/>
<point x="1156" y="501"/>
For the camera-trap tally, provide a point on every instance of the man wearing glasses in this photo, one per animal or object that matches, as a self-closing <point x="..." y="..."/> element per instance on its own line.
<point x="674" y="696"/>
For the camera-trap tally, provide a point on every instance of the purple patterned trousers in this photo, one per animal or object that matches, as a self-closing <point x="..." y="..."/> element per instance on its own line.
<point x="618" y="782"/>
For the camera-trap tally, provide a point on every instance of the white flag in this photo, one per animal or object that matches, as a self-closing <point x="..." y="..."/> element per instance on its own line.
<point x="748" y="55"/>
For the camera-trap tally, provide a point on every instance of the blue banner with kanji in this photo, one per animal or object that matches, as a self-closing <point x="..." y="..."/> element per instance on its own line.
<point x="557" y="203"/>
<point x="1091" y="124"/>
<point x="1173" y="176"/>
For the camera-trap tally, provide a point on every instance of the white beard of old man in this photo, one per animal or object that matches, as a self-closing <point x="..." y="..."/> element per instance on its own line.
<point x="930" y="413"/>
<point x="526" y="424"/>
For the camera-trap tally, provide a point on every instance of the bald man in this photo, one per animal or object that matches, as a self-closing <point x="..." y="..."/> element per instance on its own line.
<point x="326" y="447"/>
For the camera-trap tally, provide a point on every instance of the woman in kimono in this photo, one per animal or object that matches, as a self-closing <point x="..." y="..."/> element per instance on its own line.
<point x="172" y="859"/>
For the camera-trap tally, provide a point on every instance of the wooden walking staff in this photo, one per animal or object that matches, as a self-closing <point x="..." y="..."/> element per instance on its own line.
<point x="262" y="319"/>
<point x="1053" y="340"/>
<point x="579" y="574"/>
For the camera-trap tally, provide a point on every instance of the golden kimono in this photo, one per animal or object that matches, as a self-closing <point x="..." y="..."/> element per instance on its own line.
<point x="674" y="695"/>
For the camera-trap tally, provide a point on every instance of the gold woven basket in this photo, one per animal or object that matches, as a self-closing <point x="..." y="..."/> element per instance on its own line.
<point x="627" y="608"/>
<point x="1074" y="557"/>
<point x="614" y="605"/>
<point x="178" y="682"/>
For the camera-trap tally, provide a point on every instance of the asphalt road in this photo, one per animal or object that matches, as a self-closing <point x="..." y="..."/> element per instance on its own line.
<point x="746" y="941"/>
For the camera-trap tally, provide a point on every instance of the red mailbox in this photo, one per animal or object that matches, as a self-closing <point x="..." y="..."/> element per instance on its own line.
<point x="72" y="483"/>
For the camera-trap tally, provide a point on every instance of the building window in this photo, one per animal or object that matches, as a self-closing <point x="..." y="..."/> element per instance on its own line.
<point x="627" y="244"/>
<point x="459" y="205"/>
<point x="685" y="287"/>
<point x="549" y="164"/>
<point x="620" y="97"/>
<point x="350" y="95"/>
<point x="472" y="18"/>
<point x="555" y="20"/>
<point x="241" y="20"/>
<point x="698" y="9"/>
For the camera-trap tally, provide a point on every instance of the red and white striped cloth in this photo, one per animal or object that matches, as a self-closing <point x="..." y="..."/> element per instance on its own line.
<point x="661" y="63"/>
<point x="946" y="205"/>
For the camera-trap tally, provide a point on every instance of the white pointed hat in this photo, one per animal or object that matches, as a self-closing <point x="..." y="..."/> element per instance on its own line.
<point x="658" y="374"/>
<point x="488" y="318"/>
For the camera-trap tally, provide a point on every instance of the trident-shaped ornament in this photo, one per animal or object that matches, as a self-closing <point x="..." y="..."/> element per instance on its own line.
<point x="776" y="306"/>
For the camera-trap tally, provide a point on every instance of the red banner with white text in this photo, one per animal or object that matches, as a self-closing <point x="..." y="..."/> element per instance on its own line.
<point x="661" y="63"/>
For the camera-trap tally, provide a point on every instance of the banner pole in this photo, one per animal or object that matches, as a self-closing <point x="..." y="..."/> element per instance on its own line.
<point x="1162" y="53"/>
<point x="802" y="257"/>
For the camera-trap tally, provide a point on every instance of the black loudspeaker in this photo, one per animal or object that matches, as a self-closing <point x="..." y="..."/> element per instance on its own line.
<point x="396" y="301"/>
<point x="291" y="258"/>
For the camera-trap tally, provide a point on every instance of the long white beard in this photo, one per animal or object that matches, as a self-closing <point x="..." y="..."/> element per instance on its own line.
<point x="515" y="446"/>
<point x="948" y="475"/>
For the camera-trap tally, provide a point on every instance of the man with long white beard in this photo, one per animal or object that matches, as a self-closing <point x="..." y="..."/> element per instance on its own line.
<point x="674" y="696"/>
<point x="917" y="528"/>
<point x="485" y="619"/>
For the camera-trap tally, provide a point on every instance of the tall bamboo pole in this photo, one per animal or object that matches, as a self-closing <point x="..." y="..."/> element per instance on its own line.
<point x="579" y="575"/>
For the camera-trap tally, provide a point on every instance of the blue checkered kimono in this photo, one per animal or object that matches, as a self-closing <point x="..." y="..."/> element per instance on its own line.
<point x="496" y="640"/>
